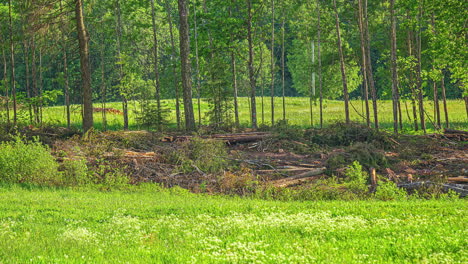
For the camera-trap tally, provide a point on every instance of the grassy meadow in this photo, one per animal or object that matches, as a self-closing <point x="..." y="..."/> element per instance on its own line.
<point x="151" y="225"/>
<point x="297" y="113"/>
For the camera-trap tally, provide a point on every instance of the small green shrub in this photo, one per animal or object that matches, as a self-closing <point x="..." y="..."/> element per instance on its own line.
<point x="23" y="161"/>
<point x="387" y="191"/>
<point x="75" y="172"/>
<point x="356" y="178"/>
<point x="110" y="174"/>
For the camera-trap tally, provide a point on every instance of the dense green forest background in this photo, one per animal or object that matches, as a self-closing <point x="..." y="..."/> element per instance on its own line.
<point x="292" y="46"/>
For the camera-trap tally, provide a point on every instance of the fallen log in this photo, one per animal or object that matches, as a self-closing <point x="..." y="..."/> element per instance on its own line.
<point x="453" y="131"/>
<point x="299" y="178"/>
<point x="458" y="179"/>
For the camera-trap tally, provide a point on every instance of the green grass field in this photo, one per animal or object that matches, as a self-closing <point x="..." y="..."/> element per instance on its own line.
<point x="297" y="113"/>
<point x="150" y="225"/>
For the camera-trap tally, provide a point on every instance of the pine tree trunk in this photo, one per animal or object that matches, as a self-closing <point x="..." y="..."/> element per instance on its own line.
<point x="319" y="57"/>
<point x="342" y="64"/>
<point x="157" y="84"/>
<point x="364" y="66"/>
<point x="272" y="91"/>
<point x="35" y="90"/>
<point x="174" y="66"/>
<point x="103" y="85"/>
<point x="28" y="87"/>
<point x="83" y="40"/>
<point x="5" y="83"/>
<point x="185" y="65"/>
<point x="12" y="61"/>
<point x="65" y="70"/>
<point x="444" y="98"/>
<point x="394" y="67"/>
<point x="252" y="79"/>
<point x="197" y="65"/>
<point x="411" y="77"/>
<point x="370" y="75"/>
<point x="419" y="88"/>
<point x="283" y="75"/>
<point x="119" y="55"/>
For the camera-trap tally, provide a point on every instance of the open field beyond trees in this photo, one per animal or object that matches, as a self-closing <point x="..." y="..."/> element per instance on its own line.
<point x="297" y="113"/>
<point x="151" y="225"/>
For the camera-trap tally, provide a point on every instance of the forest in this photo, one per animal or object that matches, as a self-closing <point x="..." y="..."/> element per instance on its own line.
<point x="205" y="55"/>
<point x="233" y="131"/>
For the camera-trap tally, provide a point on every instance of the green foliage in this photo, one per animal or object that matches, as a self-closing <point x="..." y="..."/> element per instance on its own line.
<point x="150" y="116"/>
<point x="356" y="180"/>
<point x="341" y="134"/>
<point x="388" y="190"/>
<point x="366" y="154"/>
<point x="23" y="161"/>
<point x="75" y="172"/>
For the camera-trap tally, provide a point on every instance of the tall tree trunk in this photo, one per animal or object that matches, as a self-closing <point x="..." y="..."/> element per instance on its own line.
<point x="312" y="87"/>
<point x="436" y="103"/>
<point x="234" y="81"/>
<point x="434" y="84"/>
<point x="197" y="63"/>
<point x="6" y="85"/>
<point x="12" y="61"/>
<point x="65" y="71"/>
<point x="364" y="64"/>
<point x="157" y="85"/>
<point x="420" y="89"/>
<point x="444" y="98"/>
<point x="370" y="74"/>
<point x="283" y="71"/>
<point x="262" y="85"/>
<point x="41" y="86"/>
<point x="103" y="85"/>
<point x="394" y="66"/>
<point x="174" y="65"/>
<point x="28" y="87"/>
<point x="35" y="89"/>
<point x="234" y="76"/>
<point x="185" y="65"/>
<point x="272" y="91"/>
<point x="411" y="77"/>
<point x="319" y="57"/>
<point x="83" y="40"/>
<point x="119" y="55"/>
<point x="342" y="64"/>
<point x="252" y="79"/>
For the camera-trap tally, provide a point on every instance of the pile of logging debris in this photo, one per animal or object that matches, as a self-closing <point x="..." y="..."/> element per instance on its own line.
<point x="457" y="135"/>
<point x="237" y="138"/>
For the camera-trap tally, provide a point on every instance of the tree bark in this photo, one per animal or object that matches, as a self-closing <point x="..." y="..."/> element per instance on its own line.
<point x="420" y="91"/>
<point x="444" y="98"/>
<point x="411" y="78"/>
<point x="6" y="85"/>
<point x="272" y="90"/>
<point x="370" y="74"/>
<point x="185" y="65"/>
<point x="83" y="40"/>
<point x="319" y="57"/>
<point x="65" y="70"/>
<point x="197" y="64"/>
<point x="364" y="64"/>
<point x="119" y="55"/>
<point x="342" y="64"/>
<point x="174" y="66"/>
<point x="12" y="61"/>
<point x="252" y="78"/>
<point x="28" y="87"/>
<point x="157" y="85"/>
<point x="395" y="98"/>
<point x="283" y="82"/>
